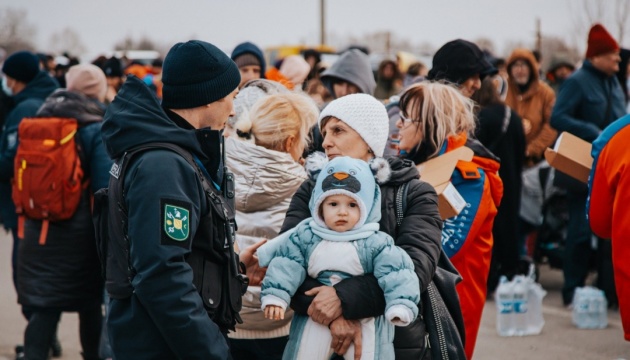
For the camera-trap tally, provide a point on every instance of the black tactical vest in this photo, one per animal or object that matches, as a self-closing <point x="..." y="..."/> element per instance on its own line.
<point x="212" y="259"/>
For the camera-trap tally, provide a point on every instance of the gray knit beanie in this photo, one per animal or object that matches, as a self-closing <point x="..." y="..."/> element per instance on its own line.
<point x="197" y="73"/>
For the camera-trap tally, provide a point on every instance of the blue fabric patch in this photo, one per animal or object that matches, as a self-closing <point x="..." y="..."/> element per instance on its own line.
<point x="456" y="229"/>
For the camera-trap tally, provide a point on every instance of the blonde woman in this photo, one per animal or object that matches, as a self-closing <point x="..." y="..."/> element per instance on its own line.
<point x="264" y="154"/>
<point x="435" y="119"/>
<point x="251" y="92"/>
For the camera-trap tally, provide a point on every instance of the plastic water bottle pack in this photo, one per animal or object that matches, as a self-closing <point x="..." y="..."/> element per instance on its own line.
<point x="519" y="306"/>
<point x="590" y="308"/>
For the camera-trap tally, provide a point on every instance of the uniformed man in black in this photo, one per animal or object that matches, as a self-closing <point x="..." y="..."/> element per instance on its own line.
<point x="168" y="250"/>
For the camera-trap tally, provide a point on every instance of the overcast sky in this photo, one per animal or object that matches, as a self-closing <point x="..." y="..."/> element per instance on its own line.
<point x="225" y="23"/>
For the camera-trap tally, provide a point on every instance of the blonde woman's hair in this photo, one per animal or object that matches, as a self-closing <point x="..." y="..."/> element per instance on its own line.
<point x="275" y="118"/>
<point x="439" y="111"/>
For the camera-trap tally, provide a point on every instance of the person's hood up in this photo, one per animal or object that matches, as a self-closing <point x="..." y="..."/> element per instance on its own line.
<point x="264" y="177"/>
<point x="247" y="47"/>
<point x="70" y="104"/>
<point x="39" y="88"/>
<point x="527" y="56"/>
<point x="135" y="117"/>
<point x="354" y="67"/>
<point x="350" y="177"/>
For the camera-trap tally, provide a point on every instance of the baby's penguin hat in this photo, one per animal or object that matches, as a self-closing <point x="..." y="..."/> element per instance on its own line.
<point x="354" y="178"/>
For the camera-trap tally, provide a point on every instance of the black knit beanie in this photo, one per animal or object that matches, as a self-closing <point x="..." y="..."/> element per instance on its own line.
<point x="113" y="68"/>
<point x="458" y="60"/>
<point x="197" y="73"/>
<point x="22" y="66"/>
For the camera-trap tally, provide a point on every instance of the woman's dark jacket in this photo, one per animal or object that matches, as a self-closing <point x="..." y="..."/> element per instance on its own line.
<point x="509" y="146"/>
<point x="419" y="235"/>
<point x="65" y="272"/>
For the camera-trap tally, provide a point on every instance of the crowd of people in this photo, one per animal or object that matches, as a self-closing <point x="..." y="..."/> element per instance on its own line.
<point x="230" y="208"/>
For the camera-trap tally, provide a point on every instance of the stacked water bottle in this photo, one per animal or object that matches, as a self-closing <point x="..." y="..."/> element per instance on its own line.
<point x="590" y="308"/>
<point x="519" y="306"/>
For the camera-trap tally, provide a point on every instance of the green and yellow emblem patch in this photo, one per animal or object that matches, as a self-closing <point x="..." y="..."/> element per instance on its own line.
<point x="176" y="222"/>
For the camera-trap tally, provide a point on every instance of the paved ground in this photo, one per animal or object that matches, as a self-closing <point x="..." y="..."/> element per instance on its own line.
<point x="560" y="339"/>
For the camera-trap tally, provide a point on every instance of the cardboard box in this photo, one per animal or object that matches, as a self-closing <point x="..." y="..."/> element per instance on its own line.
<point x="572" y="156"/>
<point x="438" y="172"/>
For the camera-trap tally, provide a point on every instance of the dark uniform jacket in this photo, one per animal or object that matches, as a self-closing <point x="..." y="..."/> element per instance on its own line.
<point x="27" y="102"/>
<point x="165" y="317"/>
<point x="419" y="235"/>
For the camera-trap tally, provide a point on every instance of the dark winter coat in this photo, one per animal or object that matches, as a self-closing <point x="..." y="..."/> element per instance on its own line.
<point x="419" y="235"/>
<point x="165" y="317"/>
<point x="27" y="102"/>
<point x="65" y="273"/>
<point x="510" y="148"/>
<point x="588" y="101"/>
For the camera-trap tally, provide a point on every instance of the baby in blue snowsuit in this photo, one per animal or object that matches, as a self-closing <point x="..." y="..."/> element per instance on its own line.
<point x="340" y="240"/>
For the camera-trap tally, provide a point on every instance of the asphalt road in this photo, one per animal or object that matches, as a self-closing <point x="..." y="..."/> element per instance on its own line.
<point x="559" y="340"/>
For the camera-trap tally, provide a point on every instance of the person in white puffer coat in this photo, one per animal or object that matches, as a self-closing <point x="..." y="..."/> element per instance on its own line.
<point x="264" y="153"/>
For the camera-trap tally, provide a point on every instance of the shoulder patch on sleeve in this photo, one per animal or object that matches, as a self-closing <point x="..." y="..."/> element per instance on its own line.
<point x="175" y="221"/>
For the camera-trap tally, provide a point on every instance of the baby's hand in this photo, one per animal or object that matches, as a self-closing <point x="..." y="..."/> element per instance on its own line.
<point x="274" y="312"/>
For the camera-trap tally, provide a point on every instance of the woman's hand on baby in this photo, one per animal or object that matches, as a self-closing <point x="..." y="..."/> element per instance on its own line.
<point x="344" y="333"/>
<point x="274" y="312"/>
<point x="326" y="306"/>
<point x="248" y="257"/>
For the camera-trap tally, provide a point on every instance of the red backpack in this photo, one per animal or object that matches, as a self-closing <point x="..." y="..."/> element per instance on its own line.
<point x="48" y="178"/>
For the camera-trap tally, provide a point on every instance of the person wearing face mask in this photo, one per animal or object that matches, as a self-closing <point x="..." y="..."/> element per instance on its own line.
<point x="28" y="87"/>
<point x="170" y="262"/>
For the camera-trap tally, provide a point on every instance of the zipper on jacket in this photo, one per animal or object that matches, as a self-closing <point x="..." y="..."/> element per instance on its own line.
<point x="399" y="206"/>
<point x="438" y="324"/>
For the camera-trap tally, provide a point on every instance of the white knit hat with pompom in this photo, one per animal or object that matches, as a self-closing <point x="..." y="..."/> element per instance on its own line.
<point x="363" y="113"/>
